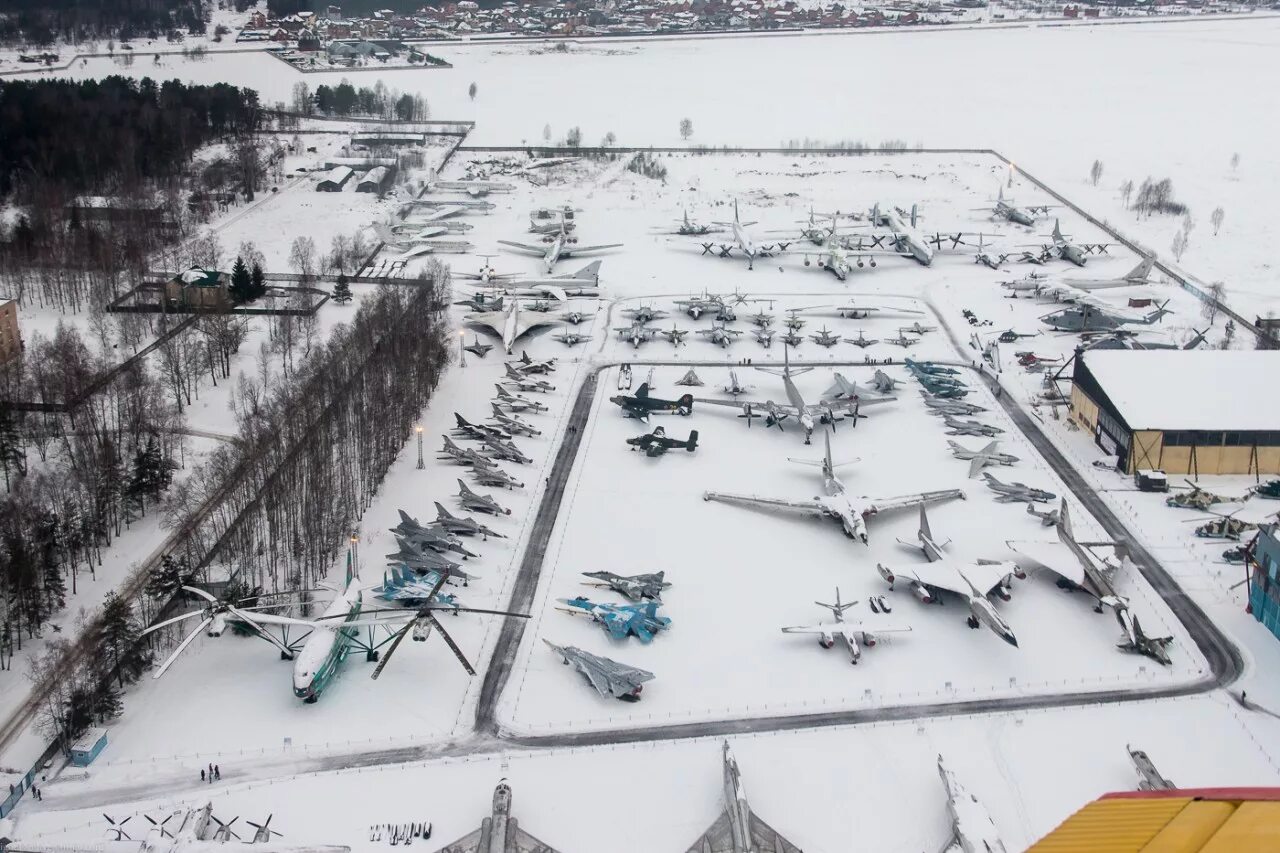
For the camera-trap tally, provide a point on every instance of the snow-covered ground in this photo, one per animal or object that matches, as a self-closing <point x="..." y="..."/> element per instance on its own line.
<point x="740" y="575"/>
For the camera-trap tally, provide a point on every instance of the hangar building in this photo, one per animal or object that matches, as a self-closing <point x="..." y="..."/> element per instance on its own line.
<point x="1184" y="411"/>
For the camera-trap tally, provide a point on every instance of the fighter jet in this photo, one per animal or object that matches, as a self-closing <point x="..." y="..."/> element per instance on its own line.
<point x="509" y="324"/>
<point x="972" y="581"/>
<point x="979" y="459"/>
<point x="478" y="349"/>
<point x="561" y="246"/>
<point x="657" y="443"/>
<point x="690" y="379"/>
<point x="571" y="338"/>
<point x="424" y="560"/>
<point x="1007" y="210"/>
<point x="762" y="319"/>
<point x="674" y="335"/>
<point x="696" y="306"/>
<point x="1011" y="492"/>
<point x="972" y="828"/>
<point x="851" y="511"/>
<point x="479" y="503"/>
<point x="855" y="634"/>
<point x="720" y="335"/>
<point x="476" y="432"/>
<point x="429" y="536"/>
<point x="451" y="523"/>
<point x="794" y="321"/>
<point x="1048" y="517"/>
<point x="808" y="416"/>
<point x="738" y="829"/>
<point x="482" y="302"/>
<point x="513" y="424"/>
<point x="1079" y="569"/>
<point x="825" y="338"/>
<point x="862" y="341"/>
<point x="405" y="587"/>
<point x="845" y="389"/>
<point x="505" y="450"/>
<point x="1062" y="247"/>
<point x="942" y="390"/>
<point x="970" y="427"/>
<point x="495" y="477"/>
<point x="726" y="314"/>
<point x="765" y="336"/>
<point x="743" y="242"/>
<point x="516" y="403"/>
<point x="1149" y="778"/>
<point x="644" y="314"/>
<point x="883" y="383"/>
<point x="606" y="675"/>
<point x="454" y="453"/>
<point x="619" y="620"/>
<point x="573" y="317"/>
<point x="637" y="333"/>
<point x="526" y="365"/>
<point x="642" y="405"/>
<point x="632" y="587"/>
<point x="734" y="388"/>
<point x="526" y="383"/>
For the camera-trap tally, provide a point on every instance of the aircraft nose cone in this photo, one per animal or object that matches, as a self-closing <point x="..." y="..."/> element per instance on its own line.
<point x="1011" y="640"/>
<point x="864" y="539"/>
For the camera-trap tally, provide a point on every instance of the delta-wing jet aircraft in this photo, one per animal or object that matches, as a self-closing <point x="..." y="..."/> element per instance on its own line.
<point x="972" y="581"/>
<point x="739" y="829"/>
<point x="562" y="246"/>
<point x="1079" y="568"/>
<point x="855" y="634"/>
<point x="851" y="511"/>
<point x="971" y="826"/>
<point x="510" y="324"/>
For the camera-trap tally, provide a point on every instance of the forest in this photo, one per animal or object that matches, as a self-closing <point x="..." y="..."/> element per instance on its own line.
<point x="40" y="22"/>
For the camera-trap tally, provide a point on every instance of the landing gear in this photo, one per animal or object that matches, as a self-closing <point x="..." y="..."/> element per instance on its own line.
<point x="371" y="656"/>
<point x="973" y="623"/>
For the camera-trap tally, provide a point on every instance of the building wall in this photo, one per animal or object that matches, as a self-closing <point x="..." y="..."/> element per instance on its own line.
<point x="10" y="339"/>
<point x="1264" y="584"/>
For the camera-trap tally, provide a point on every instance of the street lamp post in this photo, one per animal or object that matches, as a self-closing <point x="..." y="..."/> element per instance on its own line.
<point x="462" y="350"/>
<point x="418" y="429"/>
<point x="355" y="552"/>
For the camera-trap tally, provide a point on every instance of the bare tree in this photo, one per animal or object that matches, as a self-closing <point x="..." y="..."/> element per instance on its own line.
<point x="1235" y="161"/>
<point x="205" y="251"/>
<point x="302" y="256"/>
<point x="1126" y="192"/>
<point x="302" y="102"/>
<point x="1095" y="172"/>
<point x="1179" y="245"/>
<point x="251" y="255"/>
<point x="1215" y="219"/>
<point x="1210" y="307"/>
<point x="546" y="132"/>
<point x="471" y="90"/>
<point x="686" y="128"/>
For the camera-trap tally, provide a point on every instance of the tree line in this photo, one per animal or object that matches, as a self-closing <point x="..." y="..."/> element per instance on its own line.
<point x="41" y="22"/>
<point x="345" y="99"/>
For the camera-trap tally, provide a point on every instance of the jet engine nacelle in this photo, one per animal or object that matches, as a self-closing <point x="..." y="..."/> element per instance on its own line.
<point x="922" y="592"/>
<point x="826" y="640"/>
<point x="218" y="625"/>
<point x="885" y="573"/>
<point x="1004" y="592"/>
<point x="420" y="631"/>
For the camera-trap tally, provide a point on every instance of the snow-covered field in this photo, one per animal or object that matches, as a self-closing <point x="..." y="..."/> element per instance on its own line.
<point x="739" y="575"/>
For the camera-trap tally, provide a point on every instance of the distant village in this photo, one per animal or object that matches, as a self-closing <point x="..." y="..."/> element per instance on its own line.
<point x="368" y="37"/>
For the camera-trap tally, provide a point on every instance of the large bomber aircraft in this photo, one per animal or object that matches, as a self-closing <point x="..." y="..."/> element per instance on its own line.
<point x="743" y="242"/>
<point x="510" y="324"/>
<point x="1005" y="208"/>
<point x="560" y="247"/>
<point x="972" y="581"/>
<point x="851" y="511"/>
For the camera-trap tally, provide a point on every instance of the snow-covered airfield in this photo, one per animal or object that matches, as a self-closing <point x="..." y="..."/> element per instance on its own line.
<point x="739" y="575"/>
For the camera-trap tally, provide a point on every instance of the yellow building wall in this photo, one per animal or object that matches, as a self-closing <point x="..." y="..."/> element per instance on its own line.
<point x="1084" y="410"/>
<point x="1146" y="450"/>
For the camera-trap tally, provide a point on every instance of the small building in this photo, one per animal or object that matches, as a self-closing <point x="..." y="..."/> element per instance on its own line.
<point x="376" y="180"/>
<point x="87" y="747"/>
<point x="10" y="338"/>
<point x="334" y="180"/>
<point x="199" y="289"/>
<point x="1264" y="578"/>
<point x="1194" y="412"/>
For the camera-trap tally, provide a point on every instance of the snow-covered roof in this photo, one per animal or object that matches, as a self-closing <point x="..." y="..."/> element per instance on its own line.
<point x="88" y="740"/>
<point x="1190" y="389"/>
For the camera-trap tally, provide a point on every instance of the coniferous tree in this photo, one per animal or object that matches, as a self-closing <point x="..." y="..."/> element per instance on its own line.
<point x="241" y="289"/>
<point x="342" y="290"/>
<point x="119" y="640"/>
<point x="106" y="703"/>
<point x="169" y="577"/>
<point x="13" y="456"/>
<point x="259" y="282"/>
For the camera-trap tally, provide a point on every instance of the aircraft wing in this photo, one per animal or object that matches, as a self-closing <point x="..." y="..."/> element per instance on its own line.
<point x="493" y="319"/>
<point x="904" y="501"/>
<point x="532" y="320"/>
<point x="719" y="838"/>
<point x="1054" y="556"/>
<point x="479" y="841"/>
<point x="525" y="247"/>
<point x="441" y="214"/>
<point x="838" y="627"/>
<point x="811" y="507"/>
<point x="570" y="251"/>
<point x="945" y="574"/>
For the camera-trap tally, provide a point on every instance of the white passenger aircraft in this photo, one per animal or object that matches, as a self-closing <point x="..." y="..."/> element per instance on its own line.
<point x="971" y="581"/>
<point x="852" y="511"/>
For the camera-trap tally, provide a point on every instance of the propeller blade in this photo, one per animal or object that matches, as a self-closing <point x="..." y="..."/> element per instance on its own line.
<point x="182" y="647"/>
<point x="262" y="632"/>
<point x="201" y="593"/>
<point x="174" y="620"/>
<point x="457" y="652"/>
<point x="479" y="610"/>
<point x="395" y="644"/>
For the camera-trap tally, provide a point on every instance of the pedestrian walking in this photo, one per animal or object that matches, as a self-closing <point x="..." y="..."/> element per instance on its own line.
<point x="217" y="772"/>
<point x="201" y="774"/>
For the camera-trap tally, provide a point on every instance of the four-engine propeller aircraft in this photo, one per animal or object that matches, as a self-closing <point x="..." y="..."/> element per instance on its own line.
<point x="686" y="227"/>
<point x="562" y="246"/>
<point x="743" y="242"/>
<point x="1063" y="247"/>
<point x="851" y="511"/>
<point x="972" y="581"/>
<point x="739" y="829"/>
<point x="1078" y="568"/>
<point x="657" y="443"/>
<point x="855" y="634"/>
<point x="642" y="405"/>
<point x="607" y="676"/>
<point x="1006" y="209"/>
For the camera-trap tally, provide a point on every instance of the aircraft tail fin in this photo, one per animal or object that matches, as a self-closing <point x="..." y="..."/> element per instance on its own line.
<point x="643" y="391"/>
<point x="925" y="531"/>
<point x="591" y="272"/>
<point x="1142" y="270"/>
<point x="692" y="444"/>
<point x="915" y="214"/>
<point x="1065" y="533"/>
<point x="441" y="512"/>
<point x="1057" y="230"/>
<point x="685" y="403"/>
<point x="839" y="607"/>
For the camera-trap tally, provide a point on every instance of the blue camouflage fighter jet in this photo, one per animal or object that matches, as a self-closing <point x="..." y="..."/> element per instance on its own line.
<point x="620" y="620"/>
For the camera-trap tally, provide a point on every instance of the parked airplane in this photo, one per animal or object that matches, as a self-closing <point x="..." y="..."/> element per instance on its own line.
<point x="584" y="282"/>
<point x="972" y="581"/>
<point x="792" y="338"/>
<point x="464" y="526"/>
<point x="902" y="340"/>
<point x="972" y="828"/>
<point x="1006" y="209"/>
<point x="642" y="405"/>
<point x="906" y="239"/>
<point x="854" y="634"/>
<point x="765" y="336"/>
<point x="1077" y="254"/>
<point x="657" y="443"/>
<point x="454" y="453"/>
<point x="970" y="427"/>
<point x="1091" y="316"/>
<point x="1011" y="492"/>
<point x="644" y="314"/>
<point x="509" y="324"/>
<point x="563" y="246"/>
<point x="762" y="319"/>
<point x="619" y="620"/>
<point x="845" y="389"/>
<point x="571" y="338"/>
<point x="862" y="341"/>
<point x="429" y="536"/>
<point x="516" y="403"/>
<point x="930" y="367"/>
<point x="505" y="450"/>
<point x="883" y="383"/>
<point x="1149" y="778"/>
<point x="979" y="459"/>
<point x="478" y="349"/>
<point x="1080" y="569"/>
<point x="851" y="511"/>
<point x="523" y="382"/>
<point x="735" y="387"/>
<point x="674" y="335"/>
<point x="424" y="559"/>
<point x="842" y="257"/>
<point x="686" y="227"/>
<point x="495" y="477"/>
<point x="400" y="585"/>
<point x="1027" y="284"/>
<point x="512" y="423"/>
<point x="473" y="188"/>
<point x="637" y="333"/>
<point x="498" y="833"/>
<point x="607" y="676"/>
<point x="743" y="242"/>
<point x="805" y="414"/>
<point x="475" y="432"/>
<point x="917" y="329"/>
<point x="825" y="338"/>
<point x="195" y="833"/>
<point x="940" y="387"/>
<point x="479" y="503"/>
<point x="1136" y="277"/>
<point x="738" y="829"/>
<point x="632" y="587"/>
<point x="1048" y="517"/>
<point x="720" y="335"/>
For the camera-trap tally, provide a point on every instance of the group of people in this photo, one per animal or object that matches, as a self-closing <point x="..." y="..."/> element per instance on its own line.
<point x="214" y="772"/>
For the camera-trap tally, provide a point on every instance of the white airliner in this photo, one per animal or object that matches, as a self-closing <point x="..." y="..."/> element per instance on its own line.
<point x="852" y="511"/>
